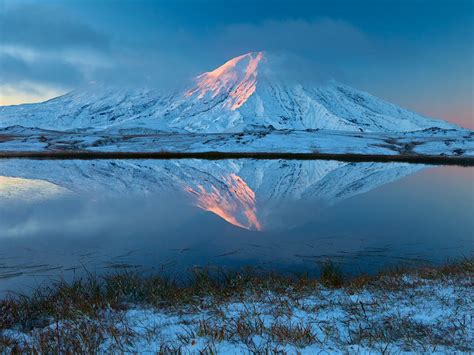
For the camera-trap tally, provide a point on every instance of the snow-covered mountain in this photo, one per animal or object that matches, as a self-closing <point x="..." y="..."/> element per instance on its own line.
<point x="244" y="193"/>
<point x="244" y="93"/>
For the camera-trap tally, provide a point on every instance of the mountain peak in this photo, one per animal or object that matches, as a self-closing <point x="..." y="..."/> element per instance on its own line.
<point x="229" y="98"/>
<point x="247" y="62"/>
<point x="237" y="78"/>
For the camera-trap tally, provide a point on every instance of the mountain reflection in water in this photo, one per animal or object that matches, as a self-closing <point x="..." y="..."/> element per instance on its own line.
<point x="242" y="192"/>
<point x="235" y="204"/>
<point x="59" y="217"/>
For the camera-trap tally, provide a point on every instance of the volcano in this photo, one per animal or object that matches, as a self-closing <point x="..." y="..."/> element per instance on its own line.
<point x="244" y="94"/>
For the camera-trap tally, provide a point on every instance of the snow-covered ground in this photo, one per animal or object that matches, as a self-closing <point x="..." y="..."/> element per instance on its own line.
<point x="422" y="318"/>
<point x="435" y="142"/>
<point x="402" y="314"/>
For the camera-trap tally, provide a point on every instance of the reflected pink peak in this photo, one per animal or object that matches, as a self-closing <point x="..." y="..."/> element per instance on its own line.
<point x="235" y="205"/>
<point x="238" y="77"/>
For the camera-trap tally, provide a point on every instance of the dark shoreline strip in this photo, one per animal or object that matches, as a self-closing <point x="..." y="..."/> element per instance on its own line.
<point x="88" y="155"/>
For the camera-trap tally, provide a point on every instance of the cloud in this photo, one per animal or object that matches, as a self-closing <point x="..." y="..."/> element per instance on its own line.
<point x="301" y="50"/>
<point x="18" y="93"/>
<point x="53" y="71"/>
<point x="318" y="38"/>
<point x="66" y="51"/>
<point x="47" y="28"/>
<point x="44" y="46"/>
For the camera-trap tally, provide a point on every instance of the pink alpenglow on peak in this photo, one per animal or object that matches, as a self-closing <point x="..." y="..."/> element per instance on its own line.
<point x="237" y="78"/>
<point x="246" y="93"/>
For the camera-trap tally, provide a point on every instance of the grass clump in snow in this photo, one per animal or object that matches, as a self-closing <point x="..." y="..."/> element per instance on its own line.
<point x="424" y="309"/>
<point x="331" y="275"/>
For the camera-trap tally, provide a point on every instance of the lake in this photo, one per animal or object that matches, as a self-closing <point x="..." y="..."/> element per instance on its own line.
<point x="61" y="218"/>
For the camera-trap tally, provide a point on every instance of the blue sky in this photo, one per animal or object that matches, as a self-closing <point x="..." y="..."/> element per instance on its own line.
<point x="418" y="53"/>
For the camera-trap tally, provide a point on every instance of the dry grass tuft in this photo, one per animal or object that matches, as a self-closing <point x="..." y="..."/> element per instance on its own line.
<point x="83" y="315"/>
<point x="331" y="275"/>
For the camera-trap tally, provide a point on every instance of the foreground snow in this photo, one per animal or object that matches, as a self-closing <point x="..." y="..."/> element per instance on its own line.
<point x="421" y="315"/>
<point x="434" y="142"/>
<point x="328" y="320"/>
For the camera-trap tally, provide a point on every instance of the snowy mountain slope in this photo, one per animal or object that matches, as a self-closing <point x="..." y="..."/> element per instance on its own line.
<point x="243" y="93"/>
<point x="93" y="107"/>
<point x="242" y="192"/>
<point x="370" y="113"/>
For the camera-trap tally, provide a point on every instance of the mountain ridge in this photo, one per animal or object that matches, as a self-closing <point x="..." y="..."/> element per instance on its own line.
<point x="244" y="92"/>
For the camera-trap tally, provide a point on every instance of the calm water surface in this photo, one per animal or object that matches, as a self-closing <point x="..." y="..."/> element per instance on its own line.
<point x="59" y="218"/>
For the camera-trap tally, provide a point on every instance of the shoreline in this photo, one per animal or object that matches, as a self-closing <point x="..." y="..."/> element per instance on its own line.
<point x="216" y="155"/>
